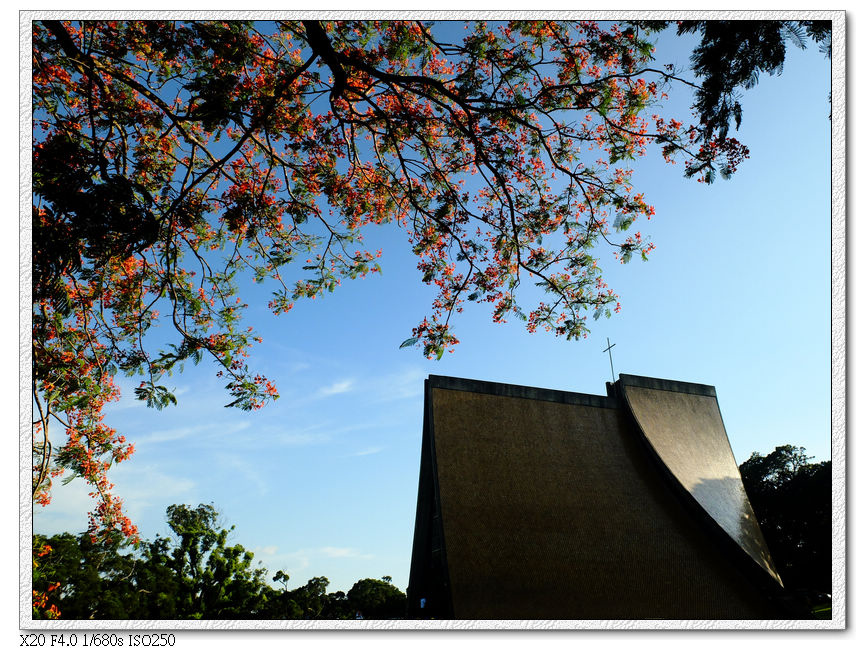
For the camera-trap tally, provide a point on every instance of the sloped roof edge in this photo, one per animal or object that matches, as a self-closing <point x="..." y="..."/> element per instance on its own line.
<point x="526" y="392"/>
<point x="667" y="384"/>
<point x="748" y="556"/>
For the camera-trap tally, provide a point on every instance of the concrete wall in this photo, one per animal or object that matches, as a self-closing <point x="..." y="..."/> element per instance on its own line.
<point x="551" y="508"/>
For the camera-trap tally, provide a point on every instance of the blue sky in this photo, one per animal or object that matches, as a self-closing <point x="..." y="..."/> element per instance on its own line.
<point x="324" y="481"/>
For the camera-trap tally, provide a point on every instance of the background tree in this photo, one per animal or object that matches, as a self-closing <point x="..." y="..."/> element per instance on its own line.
<point x="194" y="574"/>
<point x="84" y="580"/>
<point x="45" y="582"/>
<point x="338" y="607"/>
<point x="312" y="598"/>
<point x="792" y="499"/>
<point x="377" y="599"/>
<point x="214" y="580"/>
<point x="281" y="605"/>
<point x="174" y="161"/>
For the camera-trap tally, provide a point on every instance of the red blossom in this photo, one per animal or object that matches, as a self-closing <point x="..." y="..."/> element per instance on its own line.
<point x="217" y="155"/>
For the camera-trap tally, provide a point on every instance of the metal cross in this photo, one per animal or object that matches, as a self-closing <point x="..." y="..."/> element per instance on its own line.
<point x="610" y="351"/>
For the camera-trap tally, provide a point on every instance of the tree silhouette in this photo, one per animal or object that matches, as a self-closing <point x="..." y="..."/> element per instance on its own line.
<point x="194" y="574"/>
<point x="792" y="499"/>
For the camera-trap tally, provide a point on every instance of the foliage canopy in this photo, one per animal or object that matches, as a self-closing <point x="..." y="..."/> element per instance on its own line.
<point x="193" y="574"/>
<point x="173" y="161"/>
<point x="792" y="498"/>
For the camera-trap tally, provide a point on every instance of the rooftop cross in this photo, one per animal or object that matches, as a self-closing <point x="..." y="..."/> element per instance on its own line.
<point x="609" y="349"/>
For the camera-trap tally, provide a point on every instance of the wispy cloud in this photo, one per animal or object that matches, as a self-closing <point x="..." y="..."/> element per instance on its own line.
<point x="298" y="366"/>
<point x="145" y="489"/>
<point x="243" y="471"/>
<point x="265" y="550"/>
<point x="298" y="560"/>
<point x="300" y="439"/>
<point x="177" y="433"/>
<point x="143" y="486"/>
<point x="207" y="430"/>
<point x="319" y="434"/>
<point x="290" y="561"/>
<point x="405" y="384"/>
<point x="337" y="551"/>
<point x="67" y="511"/>
<point x="336" y="388"/>
<point x="367" y="452"/>
<point x="274" y="432"/>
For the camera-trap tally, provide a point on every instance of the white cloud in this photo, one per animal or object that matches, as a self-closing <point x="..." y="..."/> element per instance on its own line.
<point x="208" y="430"/>
<point x="243" y="470"/>
<point x="265" y="550"/>
<point x="302" y="558"/>
<point x="67" y="511"/>
<point x="405" y="384"/>
<point x="367" y="452"/>
<point x="273" y="433"/>
<point x="299" y="439"/>
<point x="336" y="388"/>
<point x="336" y="551"/>
<point x="144" y="490"/>
<point x="290" y="562"/>
<point x="145" y="486"/>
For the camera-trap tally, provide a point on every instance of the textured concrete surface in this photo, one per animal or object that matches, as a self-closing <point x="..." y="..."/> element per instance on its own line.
<point x="549" y="505"/>
<point x="687" y="432"/>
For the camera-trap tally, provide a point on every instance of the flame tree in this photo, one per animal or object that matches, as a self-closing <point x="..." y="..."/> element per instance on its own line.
<point x="172" y="160"/>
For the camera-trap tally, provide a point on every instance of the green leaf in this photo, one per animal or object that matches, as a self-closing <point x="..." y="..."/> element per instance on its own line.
<point x="439" y="353"/>
<point x="157" y="397"/>
<point x="408" y="342"/>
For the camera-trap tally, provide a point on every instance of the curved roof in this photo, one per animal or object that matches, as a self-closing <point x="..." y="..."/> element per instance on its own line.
<point x="682" y="424"/>
<point x="543" y="504"/>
